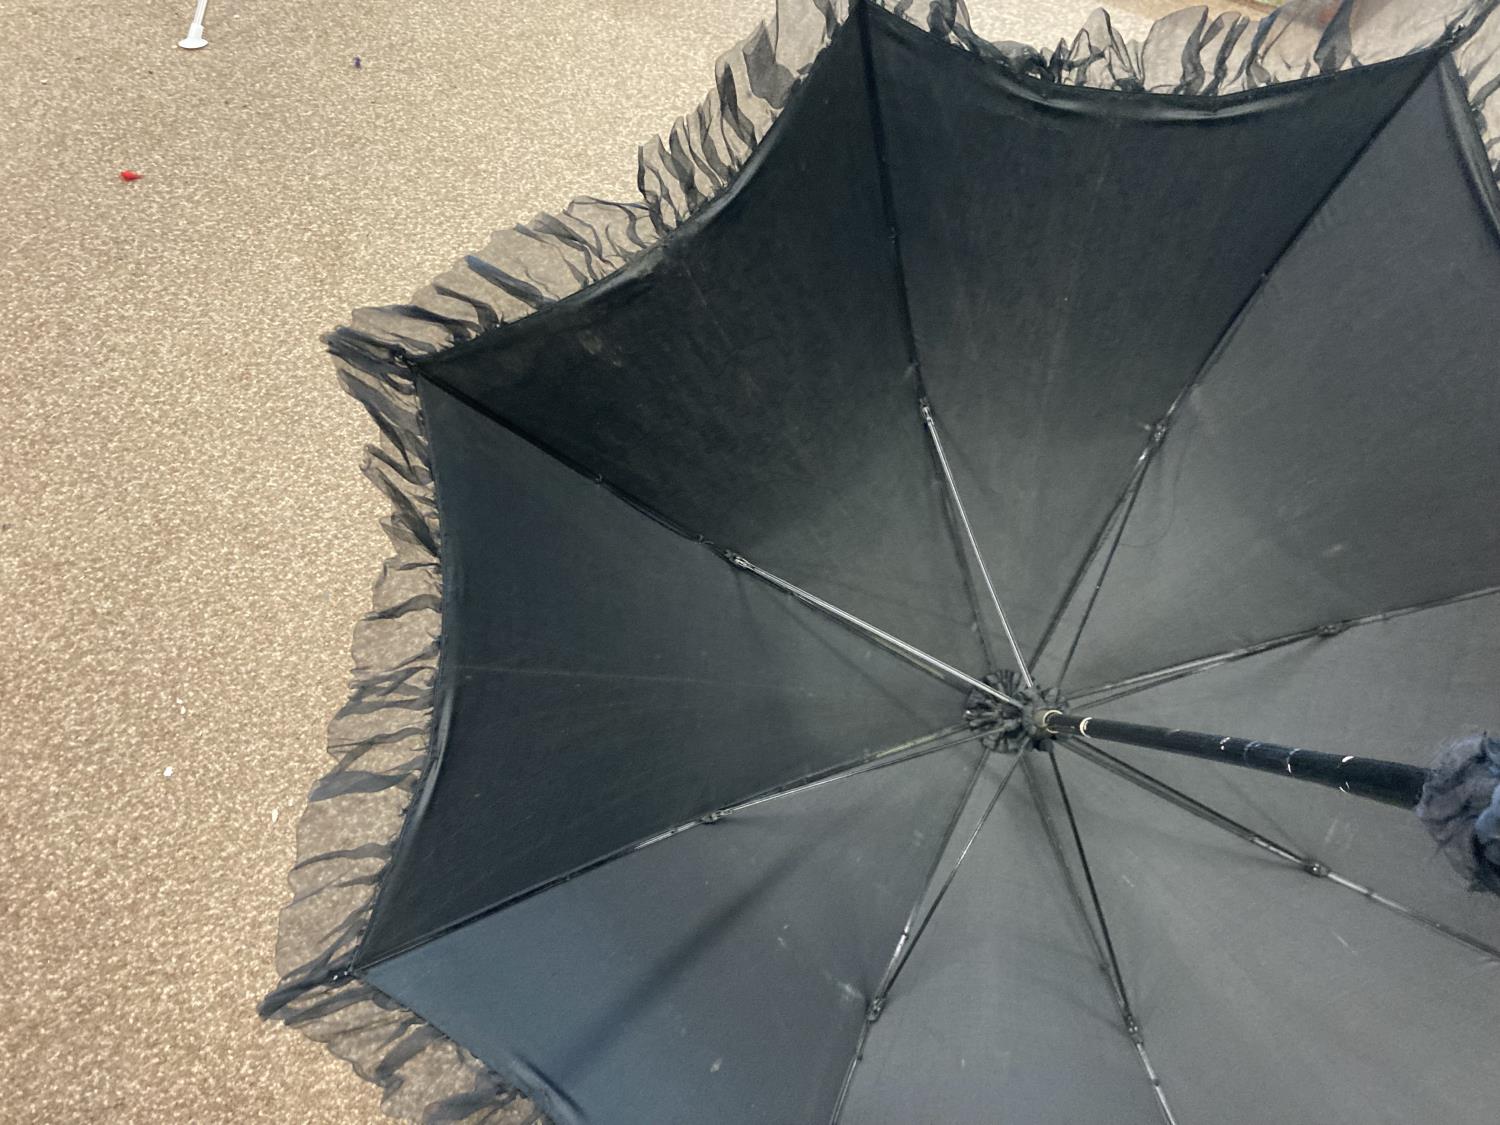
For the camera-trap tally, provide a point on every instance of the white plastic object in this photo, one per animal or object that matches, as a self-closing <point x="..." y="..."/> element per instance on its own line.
<point x="194" y="38"/>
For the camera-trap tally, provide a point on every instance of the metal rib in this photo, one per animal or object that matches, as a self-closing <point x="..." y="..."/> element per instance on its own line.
<point x="1117" y="985"/>
<point x="1137" y="471"/>
<point x="1140" y="778"/>
<point x="932" y="663"/>
<point x="859" y="1053"/>
<point x="945" y="739"/>
<point x="1114" y="546"/>
<point x="1107" y="693"/>
<point x="1105" y="760"/>
<point x="1415" y="915"/>
<point x="897" y="755"/>
<point x="904" y="948"/>
<point x="1088" y="878"/>
<point x="1050" y="830"/>
<point x="963" y="516"/>
<point x="1151" y="1075"/>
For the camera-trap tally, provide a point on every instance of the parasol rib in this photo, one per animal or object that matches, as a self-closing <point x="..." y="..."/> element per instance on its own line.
<point x="903" y="294"/>
<point x="1134" y="494"/>
<point x="1117" y="976"/>
<point x="1049" y="829"/>
<point x="926" y="659"/>
<point x="1108" y="693"/>
<point x="1121" y="768"/>
<point x="937" y="445"/>
<point x="1126" y="496"/>
<point x="873" y="1010"/>
<point x="1154" y="785"/>
<point x="1105" y="962"/>
<point x="946" y="739"/>
<point x="904" y="947"/>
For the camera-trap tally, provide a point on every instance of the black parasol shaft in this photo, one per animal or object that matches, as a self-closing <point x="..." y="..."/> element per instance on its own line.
<point x="1393" y="783"/>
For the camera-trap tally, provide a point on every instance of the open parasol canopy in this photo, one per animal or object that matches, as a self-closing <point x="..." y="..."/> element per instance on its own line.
<point x="837" y="597"/>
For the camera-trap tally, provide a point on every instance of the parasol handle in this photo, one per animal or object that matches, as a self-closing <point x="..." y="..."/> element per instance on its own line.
<point x="1393" y="783"/>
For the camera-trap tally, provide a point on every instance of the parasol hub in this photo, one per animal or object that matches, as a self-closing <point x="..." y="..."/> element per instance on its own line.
<point x="1009" y="726"/>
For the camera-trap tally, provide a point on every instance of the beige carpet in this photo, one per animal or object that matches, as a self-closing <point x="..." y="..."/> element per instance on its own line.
<point x="185" y="540"/>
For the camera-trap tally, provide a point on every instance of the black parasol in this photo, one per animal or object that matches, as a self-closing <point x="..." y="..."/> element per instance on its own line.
<point x="800" y="573"/>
